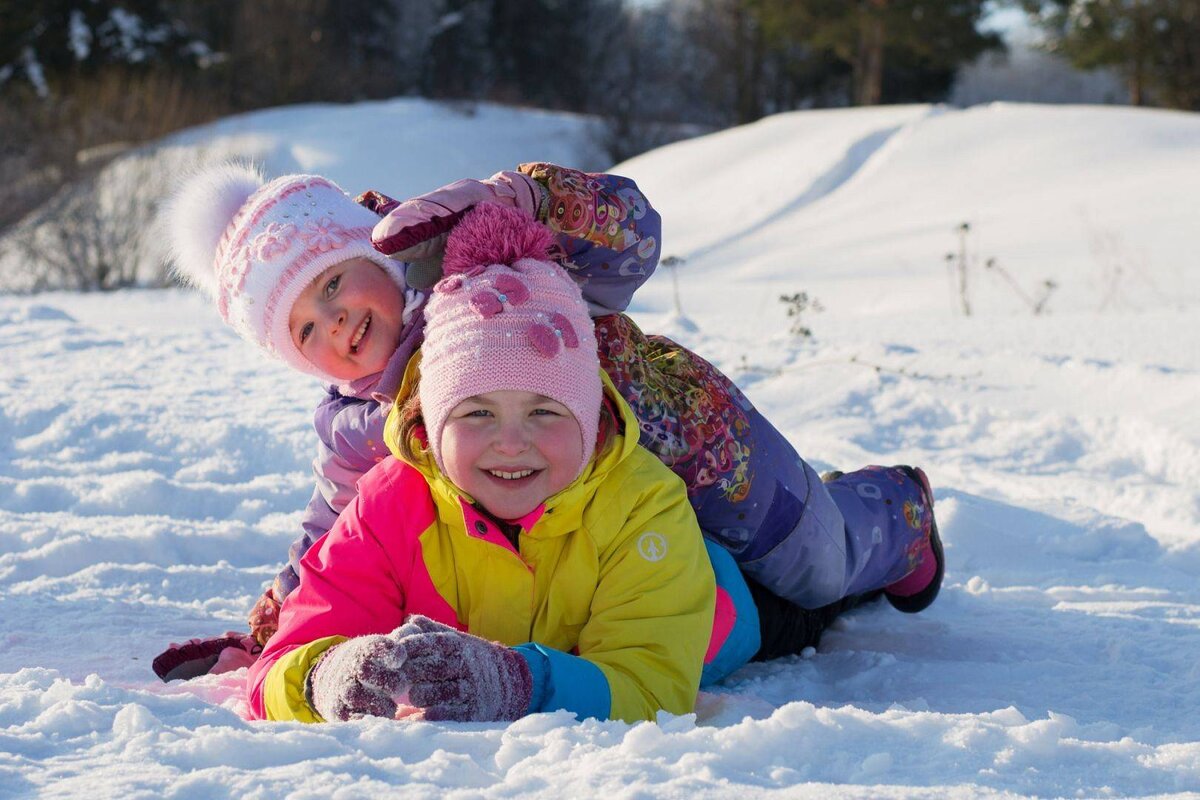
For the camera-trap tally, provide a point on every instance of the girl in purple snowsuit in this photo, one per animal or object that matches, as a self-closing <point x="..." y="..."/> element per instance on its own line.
<point x="337" y="292"/>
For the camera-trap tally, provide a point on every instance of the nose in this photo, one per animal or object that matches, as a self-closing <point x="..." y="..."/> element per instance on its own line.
<point x="512" y="438"/>
<point x="335" y="318"/>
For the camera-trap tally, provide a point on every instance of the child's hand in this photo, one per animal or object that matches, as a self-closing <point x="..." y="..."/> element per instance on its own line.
<point x="264" y="617"/>
<point x="415" y="230"/>
<point x="359" y="677"/>
<point x="456" y="676"/>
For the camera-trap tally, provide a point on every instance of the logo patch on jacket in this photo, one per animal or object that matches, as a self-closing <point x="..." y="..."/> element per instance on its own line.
<point x="652" y="546"/>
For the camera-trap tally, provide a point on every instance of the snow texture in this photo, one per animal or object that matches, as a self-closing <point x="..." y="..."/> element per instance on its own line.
<point x="153" y="467"/>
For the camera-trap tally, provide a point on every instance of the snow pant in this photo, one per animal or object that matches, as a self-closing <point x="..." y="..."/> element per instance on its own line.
<point x="808" y="542"/>
<point x="752" y="623"/>
<point x="814" y="543"/>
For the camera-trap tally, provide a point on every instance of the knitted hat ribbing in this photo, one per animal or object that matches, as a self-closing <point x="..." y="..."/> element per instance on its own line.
<point x="506" y="318"/>
<point x="254" y="246"/>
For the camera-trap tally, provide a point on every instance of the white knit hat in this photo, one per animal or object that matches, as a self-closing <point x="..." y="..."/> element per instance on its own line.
<point x="254" y="246"/>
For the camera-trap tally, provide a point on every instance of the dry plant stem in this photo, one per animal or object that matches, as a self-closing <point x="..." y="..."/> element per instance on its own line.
<point x="672" y="263"/>
<point x="963" y="230"/>
<point x="993" y="265"/>
<point x="910" y="374"/>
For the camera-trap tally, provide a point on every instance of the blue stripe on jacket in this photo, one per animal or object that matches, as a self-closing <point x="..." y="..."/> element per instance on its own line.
<point x="561" y="680"/>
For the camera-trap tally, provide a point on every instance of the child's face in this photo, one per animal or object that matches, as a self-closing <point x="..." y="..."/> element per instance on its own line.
<point x="347" y="322"/>
<point x="511" y="450"/>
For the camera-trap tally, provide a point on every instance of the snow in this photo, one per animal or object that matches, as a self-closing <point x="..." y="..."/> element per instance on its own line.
<point x="33" y="72"/>
<point x="79" y="35"/>
<point x="402" y="147"/>
<point x="152" y="469"/>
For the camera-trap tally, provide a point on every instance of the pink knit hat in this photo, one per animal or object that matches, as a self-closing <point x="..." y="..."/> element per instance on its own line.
<point x="254" y="246"/>
<point x="506" y="318"/>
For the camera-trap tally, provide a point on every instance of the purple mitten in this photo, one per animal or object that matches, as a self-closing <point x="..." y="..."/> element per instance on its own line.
<point x="456" y="676"/>
<point x="423" y="219"/>
<point x="359" y="677"/>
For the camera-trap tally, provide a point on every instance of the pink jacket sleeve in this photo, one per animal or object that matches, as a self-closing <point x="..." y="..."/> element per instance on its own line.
<point x="348" y="588"/>
<point x="362" y="577"/>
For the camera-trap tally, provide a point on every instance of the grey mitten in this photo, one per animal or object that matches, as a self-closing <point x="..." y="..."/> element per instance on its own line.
<point x="456" y="676"/>
<point x="424" y="261"/>
<point x="359" y="677"/>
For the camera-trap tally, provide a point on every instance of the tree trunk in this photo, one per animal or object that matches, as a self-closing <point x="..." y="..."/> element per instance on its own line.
<point x="1137" y="95"/>
<point x="868" y="67"/>
<point x="748" y="57"/>
<point x="1143" y="36"/>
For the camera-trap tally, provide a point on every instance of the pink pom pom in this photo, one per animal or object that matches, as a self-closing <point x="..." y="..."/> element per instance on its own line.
<point x="491" y="234"/>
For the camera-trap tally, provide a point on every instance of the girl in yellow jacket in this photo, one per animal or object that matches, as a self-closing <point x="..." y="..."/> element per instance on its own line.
<point x="523" y="554"/>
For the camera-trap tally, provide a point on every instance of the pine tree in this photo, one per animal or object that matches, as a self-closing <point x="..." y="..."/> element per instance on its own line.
<point x="899" y="49"/>
<point x="44" y="42"/>
<point x="1155" y="44"/>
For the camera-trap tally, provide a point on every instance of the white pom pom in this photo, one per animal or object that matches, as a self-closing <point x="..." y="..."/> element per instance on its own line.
<point x="198" y="214"/>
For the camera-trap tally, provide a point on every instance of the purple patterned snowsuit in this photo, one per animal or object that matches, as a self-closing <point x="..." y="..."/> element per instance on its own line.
<point x="806" y="541"/>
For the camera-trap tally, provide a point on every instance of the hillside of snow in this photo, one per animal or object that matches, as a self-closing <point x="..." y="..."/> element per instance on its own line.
<point x="860" y="206"/>
<point x="405" y="146"/>
<point x="153" y="467"/>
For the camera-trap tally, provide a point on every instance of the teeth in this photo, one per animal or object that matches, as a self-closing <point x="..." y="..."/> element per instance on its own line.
<point x="360" y="333"/>
<point x="511" y="476"/>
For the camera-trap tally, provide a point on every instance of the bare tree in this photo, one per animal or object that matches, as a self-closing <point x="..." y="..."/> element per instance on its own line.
<point x="100" y="233"/>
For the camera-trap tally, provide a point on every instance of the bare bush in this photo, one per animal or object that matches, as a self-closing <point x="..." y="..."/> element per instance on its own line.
<point x="961" y="264"/>
<point x="1121" y="268"/>
<point x="799" y="304"/>
<point x="46" y="145"/>
<point x="100" y="233"/>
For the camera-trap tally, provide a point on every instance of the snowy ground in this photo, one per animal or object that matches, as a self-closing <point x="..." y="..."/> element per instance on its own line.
<point x="152" y="468"/>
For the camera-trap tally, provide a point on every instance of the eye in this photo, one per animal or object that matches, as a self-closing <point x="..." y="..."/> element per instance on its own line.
<point x="305" y="332"/>
<point x="545" y="412"/>
<point x="332" y="286"/>
<point x="478" y="413"/>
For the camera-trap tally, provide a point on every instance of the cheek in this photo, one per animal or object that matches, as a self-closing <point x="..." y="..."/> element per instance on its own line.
<point x="459" y="451"/>
<point x="566" y="447"/>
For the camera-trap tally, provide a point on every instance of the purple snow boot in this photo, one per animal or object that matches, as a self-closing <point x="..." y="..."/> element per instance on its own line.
<point x="917" y="590"/>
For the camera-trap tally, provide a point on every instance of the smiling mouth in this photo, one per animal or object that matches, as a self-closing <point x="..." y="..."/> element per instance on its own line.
<point x="517" y="475"/>
<point x="359" y="334"/>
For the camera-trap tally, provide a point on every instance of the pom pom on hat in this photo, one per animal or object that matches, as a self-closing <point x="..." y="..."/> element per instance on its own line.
<point x="198" y="216"/>
<point x="494" y="234"/>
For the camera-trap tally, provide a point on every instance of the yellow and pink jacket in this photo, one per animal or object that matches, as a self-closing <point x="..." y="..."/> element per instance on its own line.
<point x="610" y="594"/>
